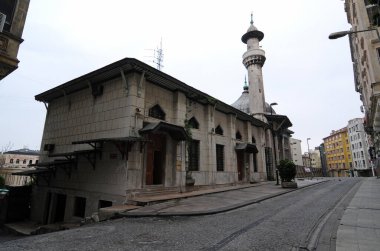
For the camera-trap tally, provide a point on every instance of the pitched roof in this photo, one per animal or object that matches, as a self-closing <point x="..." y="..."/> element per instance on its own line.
<point x="128" y="65"/>
<point x="24" y="151"/>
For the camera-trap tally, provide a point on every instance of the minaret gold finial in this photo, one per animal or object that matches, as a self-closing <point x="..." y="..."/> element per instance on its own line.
<point x="245" y="80"/>
<point x="251" y="18"/>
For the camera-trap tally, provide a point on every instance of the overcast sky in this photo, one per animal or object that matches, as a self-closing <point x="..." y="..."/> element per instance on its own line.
<point x="308" y="75"/>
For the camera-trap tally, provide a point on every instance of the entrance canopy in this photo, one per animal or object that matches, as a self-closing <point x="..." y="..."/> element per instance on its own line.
<point x="247" y="147"/>
<point x="175" y="131"/>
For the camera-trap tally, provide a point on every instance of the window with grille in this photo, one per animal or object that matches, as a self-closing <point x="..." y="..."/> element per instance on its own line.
<point x="219" y="130"/>
<point x="238" y="135"/>
<point x="7" y="8"/>
<point x="157" y="112"/>
<point x="194" y="155"/>
<point x="193" y="123"/>
<point x="219" y="158"/>
<point x="79" y="207"/>
<point x="255" y="163"/>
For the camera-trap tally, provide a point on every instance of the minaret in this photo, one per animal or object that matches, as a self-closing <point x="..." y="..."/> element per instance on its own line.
<point x="254" y="59"/>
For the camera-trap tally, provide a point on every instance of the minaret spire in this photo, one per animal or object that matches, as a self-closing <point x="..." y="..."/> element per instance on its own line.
<point x="251" y="18"/>
<point x="245" y="88"/>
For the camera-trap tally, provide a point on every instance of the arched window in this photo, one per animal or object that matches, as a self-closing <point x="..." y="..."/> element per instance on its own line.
<point x="193" y="123"/>
<point x="11" y="161"/>
<point x="30" y="162"/>
<point x="157" y="112"/>
<point x="24" y="161"/>
<point x="17" y="161"/>
<point x="219" y="130"/>
<point x="238" y="135"/>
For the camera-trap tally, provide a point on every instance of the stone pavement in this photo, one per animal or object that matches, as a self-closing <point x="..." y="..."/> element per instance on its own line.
<point x="359" y="227"/>
<point x="199" y="202"/>
<point x="214" y="201"/>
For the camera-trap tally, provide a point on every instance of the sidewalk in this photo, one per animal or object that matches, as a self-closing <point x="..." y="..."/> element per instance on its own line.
<point x="359" y="227"/>
<point x="214" y="201"/>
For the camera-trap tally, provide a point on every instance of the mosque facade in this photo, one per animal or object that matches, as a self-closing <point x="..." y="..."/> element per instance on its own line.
<point x="127" y="129"/>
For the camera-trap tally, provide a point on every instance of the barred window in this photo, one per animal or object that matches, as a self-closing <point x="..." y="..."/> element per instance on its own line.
<point x="219" y="158"/>
<point x="7" y="7"/>
<point x="194" y="155"/>
<point x="219" y="130"/>
<point x="193" y="123"/>
<point x="157" y="112"/>
<point x="79" y="207"/>
<point x="238" y="135"/>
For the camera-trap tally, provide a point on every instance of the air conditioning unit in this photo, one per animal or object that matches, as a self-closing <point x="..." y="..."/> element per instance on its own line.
<point x="3" y="17"/>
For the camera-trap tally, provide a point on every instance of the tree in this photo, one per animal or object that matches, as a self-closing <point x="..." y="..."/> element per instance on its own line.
<point x="4" y="149"/>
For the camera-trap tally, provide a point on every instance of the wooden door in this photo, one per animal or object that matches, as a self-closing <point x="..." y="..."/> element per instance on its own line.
<point x="155" y="159"/>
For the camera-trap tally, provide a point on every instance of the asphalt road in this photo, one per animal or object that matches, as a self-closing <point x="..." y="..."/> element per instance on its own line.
<point x="287" y="222"/>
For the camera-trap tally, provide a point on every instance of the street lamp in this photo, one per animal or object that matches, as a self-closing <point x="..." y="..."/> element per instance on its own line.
<point x="274" y="142"/>
<point x="308" y="151"/>
<point x="340" y="34"/>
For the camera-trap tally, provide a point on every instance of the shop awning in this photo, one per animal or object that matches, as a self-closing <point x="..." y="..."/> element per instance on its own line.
<point x="175" y="131"/>
<point x="247" y="147"/>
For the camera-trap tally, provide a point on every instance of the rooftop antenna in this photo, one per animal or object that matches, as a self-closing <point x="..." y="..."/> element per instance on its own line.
<point x="158" y="57"/>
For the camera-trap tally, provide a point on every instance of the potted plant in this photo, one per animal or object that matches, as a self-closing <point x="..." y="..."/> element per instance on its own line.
<point x="287" y="171"/>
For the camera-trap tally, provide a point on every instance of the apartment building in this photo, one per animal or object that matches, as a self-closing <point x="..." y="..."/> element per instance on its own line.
<point x="12" y="20"/>
<point x="364" y="17"/>
<point x="338" y="153"/>
<point x="361" y="160"/>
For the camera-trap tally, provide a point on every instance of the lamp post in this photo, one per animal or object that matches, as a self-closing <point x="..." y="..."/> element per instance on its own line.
<point x="274" y="142"/>
<point x="308" y="151"/>
<point x="340" y="34"/>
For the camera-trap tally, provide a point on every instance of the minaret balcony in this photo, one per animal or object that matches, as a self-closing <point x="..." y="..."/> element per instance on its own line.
<point x="254" y="59"/>
<point x="254" y="52"/>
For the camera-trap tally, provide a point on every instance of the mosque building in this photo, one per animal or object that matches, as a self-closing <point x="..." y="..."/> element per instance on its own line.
<point x="127" y="129"/>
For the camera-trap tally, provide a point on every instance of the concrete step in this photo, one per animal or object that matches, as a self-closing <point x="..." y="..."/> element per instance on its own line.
<point x="147" y="199"/>
<point x="152" y="191"/>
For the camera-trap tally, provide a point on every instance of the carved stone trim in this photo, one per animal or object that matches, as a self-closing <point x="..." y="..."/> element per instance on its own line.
<point x="255" y="59"/>
<point x="3" y="43"/>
